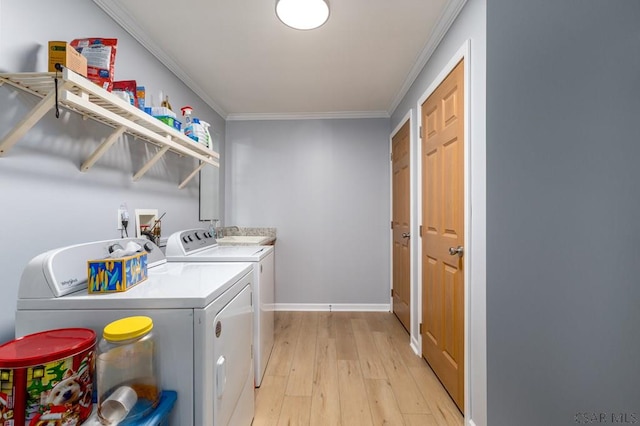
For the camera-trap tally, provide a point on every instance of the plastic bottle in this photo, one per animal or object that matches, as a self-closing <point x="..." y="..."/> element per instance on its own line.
<point x="127" y="372"/>
<point x="209" y="141"/>
<point x="199" y="131"/>
<point x="188" y="122"/>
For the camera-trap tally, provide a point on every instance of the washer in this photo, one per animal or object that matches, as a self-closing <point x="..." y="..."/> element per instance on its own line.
<point x="202" y="315"/>
<point x="198" y="245"/>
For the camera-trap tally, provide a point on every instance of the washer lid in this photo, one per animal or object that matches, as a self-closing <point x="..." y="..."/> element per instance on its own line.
<point x="225" y="254"/>
<point x="46" y="346"/>
<point x="169" y="286"/>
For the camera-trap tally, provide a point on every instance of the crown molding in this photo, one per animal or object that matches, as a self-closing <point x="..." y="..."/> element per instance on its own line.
<point x="307" y="115"/>
<point x="130" y="26"/>
<point x="444" y="22"/>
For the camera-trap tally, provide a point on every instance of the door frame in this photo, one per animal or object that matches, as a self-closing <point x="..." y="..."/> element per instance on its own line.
<point x="464" y="52"/>
<point x="413" y="222"/>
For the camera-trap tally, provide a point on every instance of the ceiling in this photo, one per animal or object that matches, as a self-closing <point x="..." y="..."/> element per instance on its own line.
<point x="246" y="64"/>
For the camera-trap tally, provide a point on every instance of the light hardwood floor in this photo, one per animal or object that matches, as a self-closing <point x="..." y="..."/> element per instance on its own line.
<point x="349" y="369"/>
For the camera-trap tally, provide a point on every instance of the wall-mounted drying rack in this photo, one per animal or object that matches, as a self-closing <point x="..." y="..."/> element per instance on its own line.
<point x="76" y="93"/>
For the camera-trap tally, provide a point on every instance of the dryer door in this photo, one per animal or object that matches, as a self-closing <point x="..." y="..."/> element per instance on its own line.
<point x="232" y="357"/>
<point x="223" y="363"/>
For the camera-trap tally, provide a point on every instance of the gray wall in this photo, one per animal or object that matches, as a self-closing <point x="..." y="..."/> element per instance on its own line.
<point x="45" y="201"/>
<point x="470" y="25"/>
<point x="563" y="196"/>
<point x="324" y="184"/>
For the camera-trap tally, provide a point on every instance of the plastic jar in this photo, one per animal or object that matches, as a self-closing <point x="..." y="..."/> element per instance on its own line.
<point x="127" y="375"/>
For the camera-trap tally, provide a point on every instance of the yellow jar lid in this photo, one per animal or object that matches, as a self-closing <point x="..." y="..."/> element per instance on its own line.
<point x="127" y="328"/>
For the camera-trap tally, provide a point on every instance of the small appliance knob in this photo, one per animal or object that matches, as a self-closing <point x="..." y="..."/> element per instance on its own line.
<point x="148" y="247"/>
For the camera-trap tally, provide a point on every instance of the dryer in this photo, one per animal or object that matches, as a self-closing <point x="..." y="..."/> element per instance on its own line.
<point x="202" y="314"/>
<point x="199" y="245"/>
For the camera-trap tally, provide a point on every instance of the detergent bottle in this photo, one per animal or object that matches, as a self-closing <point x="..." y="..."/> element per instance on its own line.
<point x="200" y="131"/>
<point x="207" y="135"/>
<point x="188" y="122"/>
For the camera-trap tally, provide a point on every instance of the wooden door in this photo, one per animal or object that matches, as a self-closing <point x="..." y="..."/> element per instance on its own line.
<point x="401" y="250"/>
<point x="443" y="229"/>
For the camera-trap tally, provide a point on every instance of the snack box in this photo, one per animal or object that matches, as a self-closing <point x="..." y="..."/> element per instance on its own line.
<point x="61" y="52"/>
<point x="116" y="275"/>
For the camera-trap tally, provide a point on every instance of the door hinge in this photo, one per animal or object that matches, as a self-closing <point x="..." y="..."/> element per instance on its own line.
<point x="421" y="135"/>
<point x="391" y="224"/>
<point x="420" y="328"/>
<point x="391" y="292"/>
<point x="421" y="230"/>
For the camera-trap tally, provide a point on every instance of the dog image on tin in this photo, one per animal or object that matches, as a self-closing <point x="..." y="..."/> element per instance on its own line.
<point x="61" y="400"/>
<point x="67" y="391"/>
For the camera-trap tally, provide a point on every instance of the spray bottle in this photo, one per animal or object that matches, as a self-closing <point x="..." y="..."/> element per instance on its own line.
<point x="188" y="122"/>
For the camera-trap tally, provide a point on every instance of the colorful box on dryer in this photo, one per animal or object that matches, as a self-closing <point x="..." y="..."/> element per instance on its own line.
<point x="116" y="275"/>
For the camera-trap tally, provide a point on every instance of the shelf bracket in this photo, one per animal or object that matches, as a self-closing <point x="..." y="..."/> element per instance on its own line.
<point x="102" y="148"/>
<point x="30" y="119"/>
<point x="193" y="173"/>
<point x="150" y="163"/>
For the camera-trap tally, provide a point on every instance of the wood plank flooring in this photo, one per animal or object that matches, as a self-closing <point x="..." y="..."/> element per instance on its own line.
<point x="349" y="369"/>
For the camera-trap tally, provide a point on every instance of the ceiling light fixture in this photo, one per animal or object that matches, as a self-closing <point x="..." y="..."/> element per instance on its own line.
<point x="302" y="14"/>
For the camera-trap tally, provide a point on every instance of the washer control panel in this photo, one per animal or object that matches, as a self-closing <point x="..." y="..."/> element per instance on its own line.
<point x="196" y="239"/>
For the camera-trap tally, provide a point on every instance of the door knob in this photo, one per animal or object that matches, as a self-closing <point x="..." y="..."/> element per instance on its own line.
<point x="406" y="235"/>
<point x="456" y="250"/>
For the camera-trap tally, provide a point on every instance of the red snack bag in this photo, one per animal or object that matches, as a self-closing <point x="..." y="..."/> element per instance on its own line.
<point x="101" y="58"/>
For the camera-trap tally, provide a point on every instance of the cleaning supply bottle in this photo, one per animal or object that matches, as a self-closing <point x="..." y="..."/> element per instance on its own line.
<point x="199" y="131"/>
<point x="188" y="122"/>
<point x="207" y="135"/>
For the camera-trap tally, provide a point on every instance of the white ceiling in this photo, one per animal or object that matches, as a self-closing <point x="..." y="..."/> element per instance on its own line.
<point x="246" y="64"/>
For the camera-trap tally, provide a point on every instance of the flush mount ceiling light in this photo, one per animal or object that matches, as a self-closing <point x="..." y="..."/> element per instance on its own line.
<point x="302" y="14"/>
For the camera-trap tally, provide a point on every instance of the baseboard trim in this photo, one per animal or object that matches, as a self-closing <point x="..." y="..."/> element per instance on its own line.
<point x="333" y="307"/>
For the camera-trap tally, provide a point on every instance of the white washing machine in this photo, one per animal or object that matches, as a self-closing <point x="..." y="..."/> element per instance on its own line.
<point x="198" y="245"/>
<point x="202" y="315"/>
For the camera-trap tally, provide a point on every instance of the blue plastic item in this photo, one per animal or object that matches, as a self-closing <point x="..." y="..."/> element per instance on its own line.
<point x="159" y="416"/>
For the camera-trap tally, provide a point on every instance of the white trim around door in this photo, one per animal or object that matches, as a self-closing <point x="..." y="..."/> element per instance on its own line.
<point x="413" y="225"/>
<point x="473" y="164"/>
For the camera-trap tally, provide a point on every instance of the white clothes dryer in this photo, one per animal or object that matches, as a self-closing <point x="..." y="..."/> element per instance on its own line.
<point x="202" y="315"/>
<point x="198" y="245"/>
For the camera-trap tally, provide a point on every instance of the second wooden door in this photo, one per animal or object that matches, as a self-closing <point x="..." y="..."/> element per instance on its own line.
<point x="443" y="232"/>
<point x="401" y="248"/>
